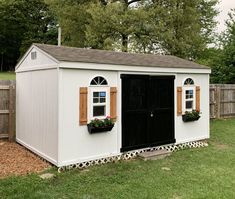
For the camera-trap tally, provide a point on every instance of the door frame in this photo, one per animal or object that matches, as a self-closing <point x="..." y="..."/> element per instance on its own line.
<point x="145" y="75"/>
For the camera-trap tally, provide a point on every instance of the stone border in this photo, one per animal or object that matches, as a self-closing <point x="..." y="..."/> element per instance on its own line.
<point x="132" y="154"/>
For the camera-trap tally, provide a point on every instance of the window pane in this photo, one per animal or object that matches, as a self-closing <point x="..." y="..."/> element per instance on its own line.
<point x="96" y="80"/>
<point x="104" y="82"/>
<point x="99" y="81"/>
<point x="189" y="81"/>
<point x="189" y="94"/>
<point x="102" y="94"/>
<point x="96" y="94"/>
<point x="98" y="111"/>
<point x="102" y="99"/>
<point x="95" y="100"/>
<point x="93" y="82"/>
<point x="189" y="104"/>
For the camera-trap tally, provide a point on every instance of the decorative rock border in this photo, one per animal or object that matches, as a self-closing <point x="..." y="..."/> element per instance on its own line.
<point x="132" y="154"/>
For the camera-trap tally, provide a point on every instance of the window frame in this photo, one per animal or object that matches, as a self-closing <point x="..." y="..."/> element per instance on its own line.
<point x="184" y="99"/>
<point x="91" y="104"/>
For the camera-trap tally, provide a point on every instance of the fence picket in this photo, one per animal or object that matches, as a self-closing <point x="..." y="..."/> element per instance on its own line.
<point x="222" y="100"/>
<point x="7" y="109"/>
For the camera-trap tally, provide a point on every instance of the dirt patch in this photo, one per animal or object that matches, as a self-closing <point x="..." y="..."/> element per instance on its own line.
<point x="16" y="160"/>
<point x="221" y="146"/>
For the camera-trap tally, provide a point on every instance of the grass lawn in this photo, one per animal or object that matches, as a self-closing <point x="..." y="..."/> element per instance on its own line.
<point x="7" y="75"/>
<point x="194" y="173"/>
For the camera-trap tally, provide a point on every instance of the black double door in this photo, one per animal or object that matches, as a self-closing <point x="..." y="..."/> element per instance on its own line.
<point x="147" y="111"/>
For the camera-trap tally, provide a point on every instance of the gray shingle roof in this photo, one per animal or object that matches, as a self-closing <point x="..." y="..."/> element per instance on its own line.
<point x="70" y="54"/>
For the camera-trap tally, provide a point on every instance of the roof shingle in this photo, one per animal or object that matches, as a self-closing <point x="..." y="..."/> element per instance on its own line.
<point x="71" y="54"/>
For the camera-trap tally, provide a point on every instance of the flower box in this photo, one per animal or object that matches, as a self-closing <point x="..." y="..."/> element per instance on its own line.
<point x="185" y="118"/>
<point x="93" y="129"/>
<point x="191" y="116"/>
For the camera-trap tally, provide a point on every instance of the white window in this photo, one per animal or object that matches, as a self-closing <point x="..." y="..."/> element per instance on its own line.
<point x="188" y="95"/>
<point x="99" y="103"/>
<point x="98" y="98"/>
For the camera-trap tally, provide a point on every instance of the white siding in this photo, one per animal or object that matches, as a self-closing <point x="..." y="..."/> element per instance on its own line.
<point x="198" y="130"/>
<point x="75" y="143"/>
<point x="42" y="61"/>
<point x="37" y="112"/>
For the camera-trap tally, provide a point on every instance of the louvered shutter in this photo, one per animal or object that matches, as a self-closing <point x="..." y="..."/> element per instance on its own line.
<point x="197" y="98"/>
<point x="113" y="103"/>
<point x="179" y="100"/>
<point x="83" y="106"/>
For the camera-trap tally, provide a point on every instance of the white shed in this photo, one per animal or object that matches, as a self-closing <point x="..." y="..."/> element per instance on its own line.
<point x="61" y="89"/>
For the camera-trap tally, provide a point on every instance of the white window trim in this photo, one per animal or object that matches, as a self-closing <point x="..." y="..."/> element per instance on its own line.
<point x="185" y="88"/>
<point x="93" y="89"/>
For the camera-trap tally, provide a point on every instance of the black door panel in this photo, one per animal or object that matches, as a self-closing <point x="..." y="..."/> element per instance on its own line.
<point x="147" y="111"/>
<point x="135" y="112"/>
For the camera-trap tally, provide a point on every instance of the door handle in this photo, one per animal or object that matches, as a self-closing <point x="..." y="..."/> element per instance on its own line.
<point x="151" y="114"/>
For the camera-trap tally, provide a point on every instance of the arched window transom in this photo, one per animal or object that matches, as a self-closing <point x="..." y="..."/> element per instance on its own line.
<point x="98" y="81"/>
<point x="188" y="81"/>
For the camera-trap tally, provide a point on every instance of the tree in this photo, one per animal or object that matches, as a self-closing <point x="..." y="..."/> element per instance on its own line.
<point x="185" y="27"/>
<point x="213" y="57"/>
<point x="72" y="16"/>
<point x="177" y="27"/>
<point x="228" y="60"/>
<point x="221" y="58"/>
<point x="22" y="23"/>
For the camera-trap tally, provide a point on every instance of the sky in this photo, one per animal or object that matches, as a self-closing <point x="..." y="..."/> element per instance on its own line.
<point x="224" y="7"/>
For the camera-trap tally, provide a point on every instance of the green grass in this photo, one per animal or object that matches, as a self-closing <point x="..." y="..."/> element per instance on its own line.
<point x="7" y="76"/>
<point x="194" y="173"/>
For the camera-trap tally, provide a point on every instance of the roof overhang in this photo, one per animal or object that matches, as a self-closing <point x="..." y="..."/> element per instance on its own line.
<point x="112" y="67"/>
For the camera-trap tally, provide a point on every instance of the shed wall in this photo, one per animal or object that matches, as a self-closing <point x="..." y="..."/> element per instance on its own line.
<point x="37" y="112"/>
<point x="75" y="143"/>
<point x="198" y="130"/>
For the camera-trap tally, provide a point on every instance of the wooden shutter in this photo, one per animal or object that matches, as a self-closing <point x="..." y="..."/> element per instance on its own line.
<point x="83" y="106"/>
<point x="113" y="103"/>
<point x="179" y="100"/>
<point x="197" y="98"/>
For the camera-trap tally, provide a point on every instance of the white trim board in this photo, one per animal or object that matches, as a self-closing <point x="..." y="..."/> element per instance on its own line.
<point x="124" y="68"/>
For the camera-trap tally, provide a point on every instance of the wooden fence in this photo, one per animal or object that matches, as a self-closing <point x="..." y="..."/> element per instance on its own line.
<point x="7" y="109"/>
<point x="222" y="100"/>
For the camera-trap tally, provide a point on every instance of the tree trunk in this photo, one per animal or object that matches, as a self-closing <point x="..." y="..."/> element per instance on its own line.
<point x="2" y="62"/>
<point x="124" y="43"/>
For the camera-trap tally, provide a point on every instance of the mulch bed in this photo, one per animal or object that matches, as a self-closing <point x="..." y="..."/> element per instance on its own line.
<point x="16" y="160"/>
